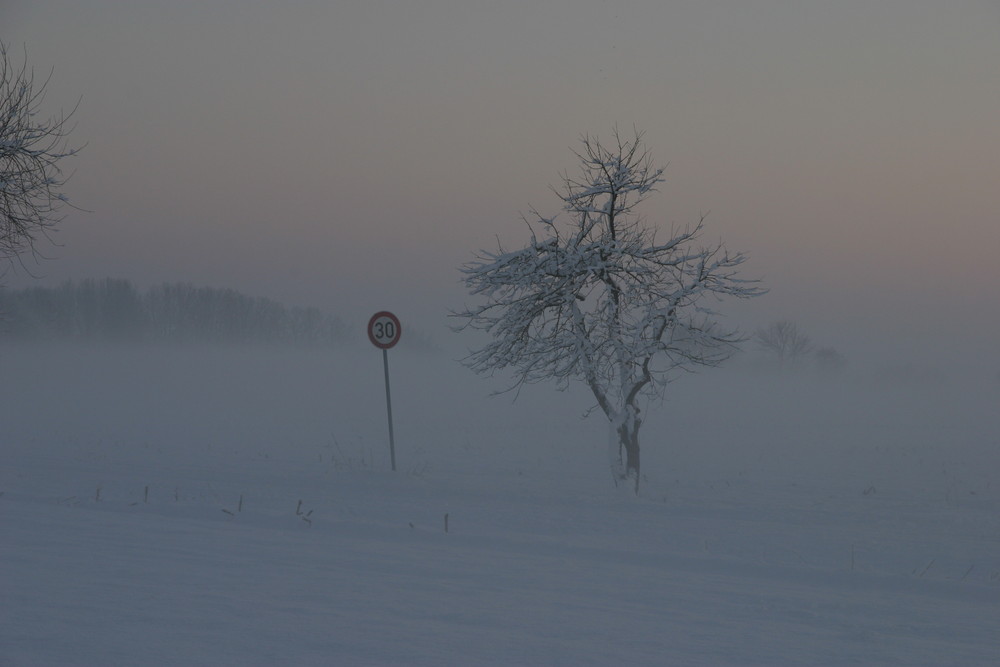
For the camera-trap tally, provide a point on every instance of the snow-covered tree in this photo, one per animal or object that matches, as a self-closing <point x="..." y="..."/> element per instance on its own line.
<point x="31" y="148"/>
<point x="603" y="298"/>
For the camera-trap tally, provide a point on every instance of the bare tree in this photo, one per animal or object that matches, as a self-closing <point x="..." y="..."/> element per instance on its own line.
<point x="602" y="299"/>
<point x="785" y="341"/>
<point x="31" y="149"/>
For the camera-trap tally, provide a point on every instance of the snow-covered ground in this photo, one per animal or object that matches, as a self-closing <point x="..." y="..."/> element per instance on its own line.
<point x="172" y="506"/>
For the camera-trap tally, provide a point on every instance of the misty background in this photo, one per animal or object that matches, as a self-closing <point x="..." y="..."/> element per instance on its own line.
<point x="350" y="156"/>
<point x="192" y="420"/>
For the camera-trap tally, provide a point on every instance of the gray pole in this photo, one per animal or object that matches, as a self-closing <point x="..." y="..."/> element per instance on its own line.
<point x="388" y="408"/>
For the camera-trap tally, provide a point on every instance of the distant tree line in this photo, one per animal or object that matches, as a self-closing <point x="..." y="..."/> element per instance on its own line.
<point x="114" y="310"/>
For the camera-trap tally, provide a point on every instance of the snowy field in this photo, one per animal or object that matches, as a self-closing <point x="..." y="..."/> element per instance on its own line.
<point x="207" y="506"/>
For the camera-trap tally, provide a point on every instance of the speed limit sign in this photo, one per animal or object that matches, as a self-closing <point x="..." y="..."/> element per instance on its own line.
<point x="384" y="330"/>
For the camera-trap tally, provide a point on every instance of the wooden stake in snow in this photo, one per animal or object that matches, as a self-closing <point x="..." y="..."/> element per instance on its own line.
<point x="384" y="331"/>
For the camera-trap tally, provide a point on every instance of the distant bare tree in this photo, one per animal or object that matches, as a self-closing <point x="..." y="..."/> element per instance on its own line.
<point x="31" y="149"/>
<point x="603" y="298"/>
<point x="785" y="341"/>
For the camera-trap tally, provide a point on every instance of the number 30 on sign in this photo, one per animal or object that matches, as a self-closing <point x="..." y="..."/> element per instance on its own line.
<point x="384" y="330"/>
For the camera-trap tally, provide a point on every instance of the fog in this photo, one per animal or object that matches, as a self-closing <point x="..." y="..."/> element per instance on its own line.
<point x="319" y="162"/>
<point x="247" y="489"/>
<point x="908" y="430"/>
<point x="817" y="486"/>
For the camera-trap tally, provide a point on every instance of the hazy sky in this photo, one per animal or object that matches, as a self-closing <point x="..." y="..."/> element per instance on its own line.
<point x="351" y="155"/>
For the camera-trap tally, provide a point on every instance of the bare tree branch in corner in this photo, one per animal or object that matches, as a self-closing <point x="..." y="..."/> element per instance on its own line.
<point x="31" y="150"/>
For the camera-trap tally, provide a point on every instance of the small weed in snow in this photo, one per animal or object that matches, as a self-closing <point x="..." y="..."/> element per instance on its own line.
<point x="303" y="515"/>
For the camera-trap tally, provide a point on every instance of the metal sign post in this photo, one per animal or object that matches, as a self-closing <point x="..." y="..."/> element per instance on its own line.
<point x="384" y="331"/>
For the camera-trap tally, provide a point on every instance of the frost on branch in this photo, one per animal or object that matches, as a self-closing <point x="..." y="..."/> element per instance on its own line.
<point x="600" y="298"/>
<point x="31" y="149"/>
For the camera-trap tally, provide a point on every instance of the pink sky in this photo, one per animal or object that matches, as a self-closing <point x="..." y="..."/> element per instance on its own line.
<point x="351" y="155"/>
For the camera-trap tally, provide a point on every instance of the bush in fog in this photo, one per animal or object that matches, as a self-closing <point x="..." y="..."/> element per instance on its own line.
<point x="604" y="299"/>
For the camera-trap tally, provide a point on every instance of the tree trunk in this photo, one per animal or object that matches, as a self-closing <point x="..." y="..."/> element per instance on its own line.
<point x="626" y="439"/>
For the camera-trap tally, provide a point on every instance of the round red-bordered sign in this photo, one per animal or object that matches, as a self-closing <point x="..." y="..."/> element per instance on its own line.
<point x="384" y="329"/>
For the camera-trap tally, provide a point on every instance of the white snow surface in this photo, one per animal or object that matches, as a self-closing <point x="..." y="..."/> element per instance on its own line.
<point x="209" y="506"/>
